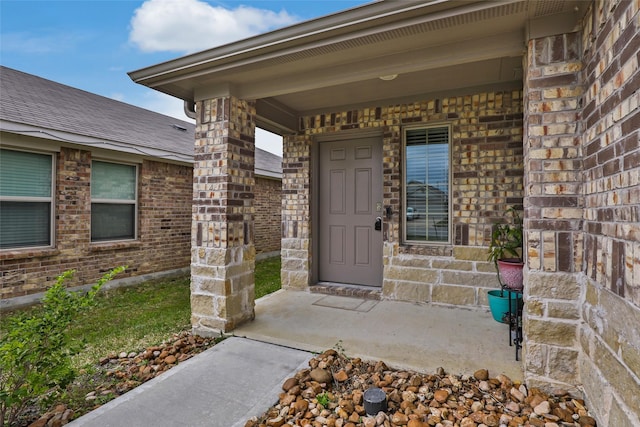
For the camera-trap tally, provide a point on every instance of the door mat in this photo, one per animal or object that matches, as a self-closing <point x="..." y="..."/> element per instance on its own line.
<point x="346" y="303"/>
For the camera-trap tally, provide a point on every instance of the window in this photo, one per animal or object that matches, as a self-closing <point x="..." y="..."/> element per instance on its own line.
<point x="426" y="184"/>
<point x="26" y="188"/>
<point x="113" y="201"/>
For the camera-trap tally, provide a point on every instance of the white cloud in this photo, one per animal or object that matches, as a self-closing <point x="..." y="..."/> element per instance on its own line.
<point x="191" y="25"/>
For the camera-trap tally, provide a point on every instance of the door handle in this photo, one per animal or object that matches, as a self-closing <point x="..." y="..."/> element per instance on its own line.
<point x="378" y="225"/>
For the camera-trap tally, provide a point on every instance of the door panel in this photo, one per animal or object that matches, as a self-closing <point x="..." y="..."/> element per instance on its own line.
<point x="363" y="237"/>
<point x="337" y="244"/>
<point x="338" y="192"/>
<point x="350" y="194"/>
<point x="363" y="192"/>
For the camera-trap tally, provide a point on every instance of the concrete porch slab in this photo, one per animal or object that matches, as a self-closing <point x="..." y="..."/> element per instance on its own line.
<point x="420" y="337"/>
<point x="354" y="304"/>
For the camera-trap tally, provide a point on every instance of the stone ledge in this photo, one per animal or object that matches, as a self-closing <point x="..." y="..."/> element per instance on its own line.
<point x="365" y="292"/>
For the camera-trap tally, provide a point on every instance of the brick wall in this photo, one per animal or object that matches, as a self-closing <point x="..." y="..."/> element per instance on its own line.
<point x="609" y="339"/>
<point x="487" y="169"/>
<point x="553" y="210"/>
<point x="267" y="205"/>
<point x="296" y="212"/>
<point x="222" y="249"/>
<point x="165" y="193"/>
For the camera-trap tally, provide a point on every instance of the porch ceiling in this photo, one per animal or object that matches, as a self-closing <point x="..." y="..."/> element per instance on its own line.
<point x="335" y="62"/>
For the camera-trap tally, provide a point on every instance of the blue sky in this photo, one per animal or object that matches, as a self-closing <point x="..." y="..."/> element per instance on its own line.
<point x="91" y="45"/>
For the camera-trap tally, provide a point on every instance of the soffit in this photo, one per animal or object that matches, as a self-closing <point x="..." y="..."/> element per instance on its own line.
<point x="336" y="60"/>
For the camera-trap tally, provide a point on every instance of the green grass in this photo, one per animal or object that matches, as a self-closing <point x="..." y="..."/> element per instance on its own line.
<point x="129" y="319"/>
<point x="132" y="318"/>
<point x="267" y="276"/>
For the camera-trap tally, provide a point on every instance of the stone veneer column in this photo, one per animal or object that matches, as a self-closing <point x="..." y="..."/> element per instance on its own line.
<point x="222" y="250"/>
<point x="296" y="212"/>
<point x="553" y="211"/>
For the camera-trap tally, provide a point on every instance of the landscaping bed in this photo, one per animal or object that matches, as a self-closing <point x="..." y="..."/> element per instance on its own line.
<point x="331" y="393"/>
<point x="117" y="374"/>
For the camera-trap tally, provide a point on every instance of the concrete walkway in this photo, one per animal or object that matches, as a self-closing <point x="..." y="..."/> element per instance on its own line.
<point x="220" y="387"/>
<point x="242" y="376"/>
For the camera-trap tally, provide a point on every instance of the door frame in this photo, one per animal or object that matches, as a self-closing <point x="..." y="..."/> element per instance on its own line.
<point x="316" y="140"/>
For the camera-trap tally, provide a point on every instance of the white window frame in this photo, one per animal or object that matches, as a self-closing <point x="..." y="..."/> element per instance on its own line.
<point x="28" y="199"/>
<point x="133" y="202"/>
<point x="404" y="239"/>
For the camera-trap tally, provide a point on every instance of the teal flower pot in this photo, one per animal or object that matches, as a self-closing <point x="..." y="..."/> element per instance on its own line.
<point x="499" y="303"/>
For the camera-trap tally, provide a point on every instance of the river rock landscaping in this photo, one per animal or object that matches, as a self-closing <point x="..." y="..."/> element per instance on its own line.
<point x="331" y="392"/>
<point x="116" y="374"/>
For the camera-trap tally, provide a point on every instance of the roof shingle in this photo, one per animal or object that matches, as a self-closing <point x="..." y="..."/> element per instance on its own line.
<point x="33" y="101"/>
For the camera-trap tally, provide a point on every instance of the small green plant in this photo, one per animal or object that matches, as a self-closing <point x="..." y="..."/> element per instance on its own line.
<point x="506" y="238"/>
<point x="36" y="350"/>
<point x="323" y="399"/>
<point x="340" y="349"/>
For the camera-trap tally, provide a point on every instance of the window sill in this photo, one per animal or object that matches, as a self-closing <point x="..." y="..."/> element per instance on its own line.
<point x="110" y="246"/>
<point x="28" y="253"/>
<point x="427" y="249"/>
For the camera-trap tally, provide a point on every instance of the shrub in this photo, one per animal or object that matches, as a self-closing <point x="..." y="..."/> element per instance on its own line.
<point x="35" y="353"/>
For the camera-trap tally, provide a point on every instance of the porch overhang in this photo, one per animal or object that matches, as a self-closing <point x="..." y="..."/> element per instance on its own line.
<point x="335" y="62"/>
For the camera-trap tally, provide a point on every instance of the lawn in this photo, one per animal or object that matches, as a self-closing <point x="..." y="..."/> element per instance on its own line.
<point x="128" y="319"/>
<point x="133" y="318"/>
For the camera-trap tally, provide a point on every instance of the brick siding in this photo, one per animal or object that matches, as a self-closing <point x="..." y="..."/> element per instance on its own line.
<point x="582" y="181"/>
<point x="267" y="205"/>
<point x="222" y="242"/>
<point x="553" y="210"/>
<point x="609" y="343"/>
<point x="487" y="169"/>
<point x="164" y="228"/>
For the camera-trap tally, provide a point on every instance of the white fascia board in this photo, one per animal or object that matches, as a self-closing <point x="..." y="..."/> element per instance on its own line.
<point x="327" y="30"/>
<point x="267" y="174"/>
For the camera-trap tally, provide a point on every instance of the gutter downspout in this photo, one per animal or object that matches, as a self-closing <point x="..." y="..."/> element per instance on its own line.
<point x="190" y="109"/>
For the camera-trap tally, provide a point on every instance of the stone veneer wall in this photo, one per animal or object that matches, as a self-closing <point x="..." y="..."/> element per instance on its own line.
<point x="609" y="337"/>
<point x="554" y="206"/>
<point x="268" y="215"/>
<point x="164" y="225"/>
<point x="582" y="163"/>
<point x="296" y="251"/>
<point x="487" y="171"/>
<point x="223" y="254"/>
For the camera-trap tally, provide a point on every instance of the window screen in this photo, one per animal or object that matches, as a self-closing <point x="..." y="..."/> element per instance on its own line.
<point x="113" y="201"/>
<point x="426" y="186"/>
<point x="26" y="181"/>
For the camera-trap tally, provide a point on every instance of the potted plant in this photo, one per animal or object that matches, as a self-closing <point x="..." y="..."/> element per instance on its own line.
<point x="505" y="251"/>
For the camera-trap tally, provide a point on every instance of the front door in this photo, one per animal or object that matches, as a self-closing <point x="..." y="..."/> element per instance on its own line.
<point x="350" y="205"/>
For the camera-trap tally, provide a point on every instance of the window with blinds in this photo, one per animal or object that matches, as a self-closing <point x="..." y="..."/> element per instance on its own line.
<point x="426" y="184"/>
<point x="113" y="201"/>
<point x="26" y="188"/>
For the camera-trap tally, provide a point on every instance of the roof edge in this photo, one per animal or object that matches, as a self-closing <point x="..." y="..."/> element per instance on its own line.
<point x="91" y="142"/>
<point x="302" y="33"/>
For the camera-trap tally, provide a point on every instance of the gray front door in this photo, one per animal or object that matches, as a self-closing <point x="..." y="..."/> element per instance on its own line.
<point x="350" y="203"/>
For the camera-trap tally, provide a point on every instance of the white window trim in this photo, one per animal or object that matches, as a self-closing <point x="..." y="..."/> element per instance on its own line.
<point x="404" y="239"/>
<point x="51" y="199"/>
<point x="118" y="202"/>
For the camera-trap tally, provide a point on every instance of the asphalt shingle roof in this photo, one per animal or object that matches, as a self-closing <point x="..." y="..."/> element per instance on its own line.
<point x="31" y="100"/>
